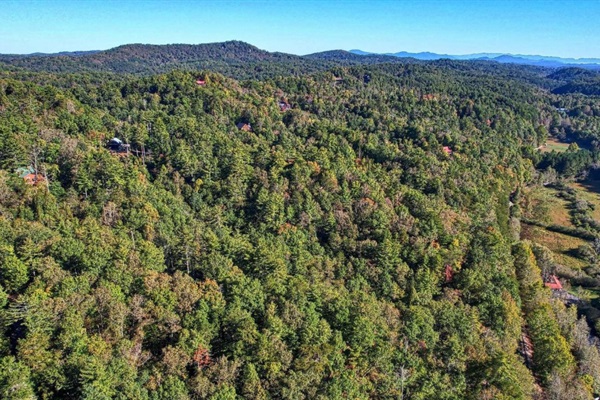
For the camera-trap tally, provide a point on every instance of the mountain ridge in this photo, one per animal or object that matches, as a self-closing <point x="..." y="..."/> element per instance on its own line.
<point x="236" y="59"/>
<point x="144" y="59"/>
<point x="538" y="60"/>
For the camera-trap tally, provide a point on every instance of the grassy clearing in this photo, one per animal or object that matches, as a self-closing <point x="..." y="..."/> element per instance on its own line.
<point x="559" y="243"/>
<point x="554" y="144"/>
<point x="559" y="211"/>
<point x="590" y="191"/>
<point x="548" y="208"/>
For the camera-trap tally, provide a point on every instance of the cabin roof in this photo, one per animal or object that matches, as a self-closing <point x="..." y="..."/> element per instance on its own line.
<point x="24" y="171"/>
<point x="243" y="126"/>
<point x="33" y="179"/>
<point x="553" y="283"/>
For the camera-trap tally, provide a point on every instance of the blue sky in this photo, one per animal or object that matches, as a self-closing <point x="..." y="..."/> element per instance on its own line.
<point x="567" y="28"/>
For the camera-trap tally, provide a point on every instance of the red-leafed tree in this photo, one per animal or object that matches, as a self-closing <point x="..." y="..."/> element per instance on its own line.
<point x="202" y="357"/>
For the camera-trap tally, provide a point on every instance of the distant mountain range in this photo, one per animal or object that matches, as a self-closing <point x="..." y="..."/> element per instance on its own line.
<point x="540" y="61"/>
<point x="244" y="61"/>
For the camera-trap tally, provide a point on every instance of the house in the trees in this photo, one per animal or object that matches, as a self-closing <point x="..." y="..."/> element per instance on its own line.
<point x="200" y="82"/>
<point x="24" y="171"/>
<point x="34" y="179"/>
<point x="116" y="145"/>
<point x="553" y="283"/>
<point x="447" y="150"/>
<point x="242" y="126"/>
<point x="30" y="177"/>
<point x="284" y="105"/>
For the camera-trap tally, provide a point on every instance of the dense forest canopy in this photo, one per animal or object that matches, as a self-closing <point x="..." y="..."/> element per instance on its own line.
<point x="358" y="238"/>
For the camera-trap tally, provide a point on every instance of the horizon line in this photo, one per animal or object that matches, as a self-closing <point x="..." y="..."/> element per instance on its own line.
<point x="389" y="53"/>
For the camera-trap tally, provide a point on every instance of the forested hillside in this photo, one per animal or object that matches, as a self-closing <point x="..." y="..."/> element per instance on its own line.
<point x="233" y="58"/>
<point x="351" y="232"/>
<point x="241" y="60"/>
<point x="577" y="80"/>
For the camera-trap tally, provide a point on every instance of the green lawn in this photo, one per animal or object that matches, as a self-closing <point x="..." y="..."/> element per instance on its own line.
<point x="554" y="144"/>
<point x="549" y="209"/>
<point x="589" y="190"/>
<point x="559" y="243"/>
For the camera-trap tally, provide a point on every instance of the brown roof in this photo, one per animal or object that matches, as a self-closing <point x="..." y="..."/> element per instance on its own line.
<point x="34" y="179"/>
<point x="244" y="127"/>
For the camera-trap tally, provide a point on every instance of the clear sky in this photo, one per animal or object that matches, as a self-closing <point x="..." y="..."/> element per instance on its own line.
<point x="566" y="28"/>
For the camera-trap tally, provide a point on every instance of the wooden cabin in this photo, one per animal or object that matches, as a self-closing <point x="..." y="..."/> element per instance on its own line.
<point x="200" y="82"/>
<point x="244" y="127"/>
<point x="34" y="179"/>
<point x="447" y="150"/>
<point x="30" y="176"/>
